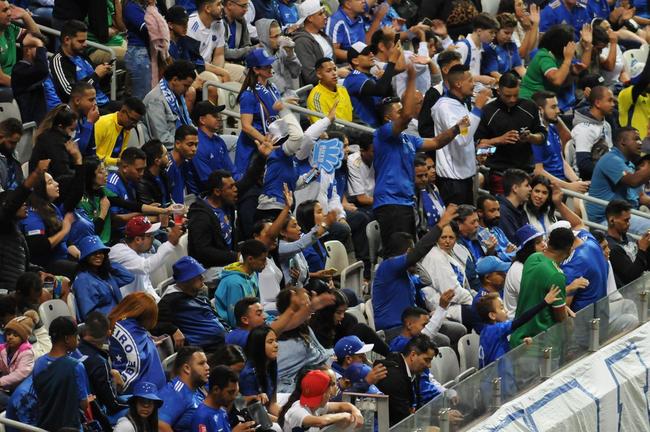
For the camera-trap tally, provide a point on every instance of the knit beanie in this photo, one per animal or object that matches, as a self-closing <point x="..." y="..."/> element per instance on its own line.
<point x="23" y="325"/>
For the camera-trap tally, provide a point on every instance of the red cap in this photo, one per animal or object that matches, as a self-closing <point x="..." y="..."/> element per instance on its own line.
<point x="313" y="386"/>
<point x="139" y="226"/>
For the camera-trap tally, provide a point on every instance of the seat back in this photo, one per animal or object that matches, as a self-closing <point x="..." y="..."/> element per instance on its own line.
<point x="52" y="309"/>
<point x="162" y="286"/>
<point x="72" y="304"/>
<point x="337" y="256"/>
<point x="374" y="241"/>
<point x="357" y="312"/>
<point x="168" y="364"/>
<point x="468" y="347"/>
<point x="370" y="314"/>
<point x="352" y="278"/>
<point x="444" y="366"/>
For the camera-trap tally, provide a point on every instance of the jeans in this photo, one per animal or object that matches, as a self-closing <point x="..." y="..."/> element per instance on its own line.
<point x="139" y="67"/>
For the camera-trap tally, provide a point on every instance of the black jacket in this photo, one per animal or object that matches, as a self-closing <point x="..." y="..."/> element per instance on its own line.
<point x="625" y="269"/>
<point x="99" y="376"/>
<point x="403" y="391"/>
<point x="51" y="145"/>
<point x="512" y="218"/>
<point x="205" y="241"/>
<point x="426" y="128"/>
<point x="149" y="192"/>
<point x="14" y="253"/>
<point x="27" y="84"/>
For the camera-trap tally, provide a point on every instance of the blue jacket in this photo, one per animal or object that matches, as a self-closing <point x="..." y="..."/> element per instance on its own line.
<point x="134" y="355"/>
<point x="233" y="286"/>
<point x="95" y="293"/>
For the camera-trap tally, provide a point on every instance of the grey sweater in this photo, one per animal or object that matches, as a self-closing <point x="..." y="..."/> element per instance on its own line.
<point x="308" y="51"/>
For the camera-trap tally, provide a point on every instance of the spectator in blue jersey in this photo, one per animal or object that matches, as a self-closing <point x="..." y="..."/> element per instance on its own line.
<point x="49" y="221"/>
<point x="53" y="140"/>
<point x="260" y="374"/>
<point x="166" y="105"/>
<point x="429" y="205"/>
<point x="98" y="281"/>
<point x="258" y="108"/>
<point x="393" y="290"/>
<point x="154" y="185"/>
<point x="503" y="55"/>
<point x="240" y="279"/>
<point x="181" y="172"/>
<point x="212" y="153"/>
<point x="540" y="209"/>
<point x="249" y="314"/>
<point x="549" y="157"/>
<point x="350" y="350"/>
<point x="185" y="312"/>
<point x="489" y="215"/>
<point x="83" y="102"/>
<point x="136" y="58"/>
<point x="132" y="350"/>
<point x="59" y="381"/>
<point x="394" y="155"/>
<point x="471" y="48"/>
<point x="95" y="334"/>
<point x="347" y="27"/>
<point x="492" y="273"/>
<point x="11" y="173"/>
<point x="497" y="327"/>
<point x="185" y="393"/>
<point x="212" y="225"/>
<point x="70" y="64"/>
<point x="572" y="12"/>
<point x="212" y="415"/>
<point x="144" y="404"/>
<point x="366" y="91"/>
<point x="288" y="15"/>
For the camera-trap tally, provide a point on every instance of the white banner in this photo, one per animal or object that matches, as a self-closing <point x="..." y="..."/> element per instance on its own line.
<point x="604" y="392"/>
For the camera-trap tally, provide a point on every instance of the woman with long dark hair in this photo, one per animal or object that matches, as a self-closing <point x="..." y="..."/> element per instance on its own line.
<point x="143" y="410"/>
<point x="529" y="240"/>
<point x="98" y="281"/>
<point x="540" y="208"/>
<point x="256" y="98"/>
<point x="132" y="351"/>
<point x="308" y="215"/>
<point x="260" y="374"/>
<point x="53" y="140"/>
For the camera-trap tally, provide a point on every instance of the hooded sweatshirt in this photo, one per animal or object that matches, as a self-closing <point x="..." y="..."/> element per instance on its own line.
<point x="285" y="68"/>
<point x="309" y="51"/>
<point x="234" y="285"/>
<point x="586" y="132"/>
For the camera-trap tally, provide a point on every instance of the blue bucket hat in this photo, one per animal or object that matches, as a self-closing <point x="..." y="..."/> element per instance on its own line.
<point x="357" y="373"/>
<point x="187" y="268"/>
<point x="259" y="58"/>
<point x="89" y="245"/>
<point x="525" y="234"/>
<point x="491" y="264"/>
<point x="147" y="390"/>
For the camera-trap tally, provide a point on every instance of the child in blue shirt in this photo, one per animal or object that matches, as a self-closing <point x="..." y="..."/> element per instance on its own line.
<point x="492" y="272"/>
<point x="494" y="336"/>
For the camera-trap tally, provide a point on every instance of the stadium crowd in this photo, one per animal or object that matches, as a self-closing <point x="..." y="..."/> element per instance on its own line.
<point x="480" y="119"/>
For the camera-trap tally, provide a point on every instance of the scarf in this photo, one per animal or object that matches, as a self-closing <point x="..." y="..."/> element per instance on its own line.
<point x="181" y="111"/>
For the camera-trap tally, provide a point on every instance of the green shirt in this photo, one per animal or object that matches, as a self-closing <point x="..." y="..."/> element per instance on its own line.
<point x="534" y="80"/>
<point x="8" y="48"/>
<point x="539" y="275"/>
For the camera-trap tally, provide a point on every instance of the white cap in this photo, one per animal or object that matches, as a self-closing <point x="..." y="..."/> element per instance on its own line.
<point x="559" y="224"/>
<point x="307" y="9"/>
<point x="278" y="129"/>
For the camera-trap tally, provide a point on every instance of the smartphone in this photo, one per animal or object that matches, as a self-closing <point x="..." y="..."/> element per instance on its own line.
<point x="396" y="37"/>
<point x="486" y="151"/>
<point x="427" y="22"/>
<point x="111" y="61"/>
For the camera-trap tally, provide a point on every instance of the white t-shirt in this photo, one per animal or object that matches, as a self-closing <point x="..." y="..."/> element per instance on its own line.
<point x="294" y="417"/>
<point x="511" y="288"/>
<point x="611" y="77"/>
<point x="361" y="177"/>
<point x="324" y="45"/>
<point x="475" y="55"/>
<point x="210" y="37"/>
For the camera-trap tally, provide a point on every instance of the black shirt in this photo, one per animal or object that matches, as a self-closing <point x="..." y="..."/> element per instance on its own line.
<point x="497" y="119"/>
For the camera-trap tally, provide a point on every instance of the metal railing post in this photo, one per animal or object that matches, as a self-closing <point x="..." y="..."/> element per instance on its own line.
<point x="547" y="363"/>
<point x="443" y="415"/>
<point x="496" y="393"/>
<point x="594" y="335"/>
<point x="643" y="299"/>
<point x="20" y="426"/>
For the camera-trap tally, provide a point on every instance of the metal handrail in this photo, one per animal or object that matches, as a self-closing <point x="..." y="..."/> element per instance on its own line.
<point x="601" y="202"/>
<point x="20" y="426"/>
<point x="95" y="45"/>
<point x="291" y="107"/>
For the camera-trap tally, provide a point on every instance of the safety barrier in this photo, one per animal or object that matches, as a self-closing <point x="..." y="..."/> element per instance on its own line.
<point x="20" y="426"/>
<point x="95" y="45"/>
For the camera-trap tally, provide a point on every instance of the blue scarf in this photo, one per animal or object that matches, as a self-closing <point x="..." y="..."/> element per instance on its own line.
<point x="180" y="111"/>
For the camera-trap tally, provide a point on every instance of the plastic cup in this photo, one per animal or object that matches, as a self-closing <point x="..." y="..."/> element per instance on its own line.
<point x="178" y="210"/>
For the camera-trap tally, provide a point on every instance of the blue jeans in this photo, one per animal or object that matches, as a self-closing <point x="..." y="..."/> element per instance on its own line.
<point x="139" y="67"/>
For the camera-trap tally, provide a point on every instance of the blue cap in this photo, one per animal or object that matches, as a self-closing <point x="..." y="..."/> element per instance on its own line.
<point x="525" y="234"/>
<point x="187" y="268"/>
<point x="350" y="345"/>
<point x="357" y="373"/>
<point x="89" y="245"/>
<point x="147" y="390"/>
<point x="259" y="58"/>
<point x="491" y="264"/>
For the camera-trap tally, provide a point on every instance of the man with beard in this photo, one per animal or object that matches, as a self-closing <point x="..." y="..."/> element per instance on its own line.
<point x="429" y="205"/>
<point x="516" y="191"/>
<point x="549" y="157"/>
<point x="489" y="215"/>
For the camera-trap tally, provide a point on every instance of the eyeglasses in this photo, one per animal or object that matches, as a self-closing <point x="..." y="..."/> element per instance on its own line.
<point x="242" y="5"/>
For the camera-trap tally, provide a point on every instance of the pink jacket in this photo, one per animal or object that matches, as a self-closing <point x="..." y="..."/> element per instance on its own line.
<point x="13" y="371"/>
<point x="158" y="41"/>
